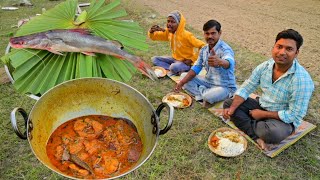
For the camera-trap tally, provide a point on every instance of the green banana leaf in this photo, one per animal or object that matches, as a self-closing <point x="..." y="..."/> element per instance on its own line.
<point x="36" y="71"/>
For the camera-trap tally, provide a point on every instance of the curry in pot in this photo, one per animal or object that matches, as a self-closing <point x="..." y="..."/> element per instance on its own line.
<point x="94" y="147"/>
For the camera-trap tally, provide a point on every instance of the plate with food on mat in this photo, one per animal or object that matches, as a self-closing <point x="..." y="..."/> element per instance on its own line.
<point x="227" y="142"/>
<point x="159" y="71"/>
<point x="178" y="99"/>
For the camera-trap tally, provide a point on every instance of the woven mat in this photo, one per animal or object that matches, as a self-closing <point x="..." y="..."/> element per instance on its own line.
<point x="275" y="149"/>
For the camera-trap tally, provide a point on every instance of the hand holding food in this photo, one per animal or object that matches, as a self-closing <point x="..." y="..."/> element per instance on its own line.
<point x="155" y="28"/>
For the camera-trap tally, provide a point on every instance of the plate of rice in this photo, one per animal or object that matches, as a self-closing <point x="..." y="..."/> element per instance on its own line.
<point x="227" y="142"/>
<point x="159" y="71"/>
<point x="178" y="99"/>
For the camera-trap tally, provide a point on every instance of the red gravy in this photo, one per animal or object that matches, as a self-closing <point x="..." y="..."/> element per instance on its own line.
<point x="94" y="147"/>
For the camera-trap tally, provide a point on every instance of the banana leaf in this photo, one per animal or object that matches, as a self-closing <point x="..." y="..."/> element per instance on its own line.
<point x="36" y="71"/>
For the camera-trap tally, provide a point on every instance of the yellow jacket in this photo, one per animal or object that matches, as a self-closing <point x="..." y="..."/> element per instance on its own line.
<point x="182" y="42"/>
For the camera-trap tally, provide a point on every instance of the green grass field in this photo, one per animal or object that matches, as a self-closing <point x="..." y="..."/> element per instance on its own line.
<point x="181" y="153"/>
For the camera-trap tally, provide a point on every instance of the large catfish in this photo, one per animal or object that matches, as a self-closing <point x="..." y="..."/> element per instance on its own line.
<point x="79" y="40"/>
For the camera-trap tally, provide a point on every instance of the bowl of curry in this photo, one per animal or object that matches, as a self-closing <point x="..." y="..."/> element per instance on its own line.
<point x="92" y="128"/>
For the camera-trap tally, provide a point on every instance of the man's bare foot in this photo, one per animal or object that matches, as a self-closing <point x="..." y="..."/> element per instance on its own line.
<point x="262" y="144"/>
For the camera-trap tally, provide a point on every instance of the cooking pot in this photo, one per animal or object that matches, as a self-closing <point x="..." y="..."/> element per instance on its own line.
<point x="91" y="96"/>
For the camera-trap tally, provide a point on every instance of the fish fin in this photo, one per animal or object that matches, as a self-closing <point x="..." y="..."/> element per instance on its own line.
<point x="55" y="52"/>
<point x="117" y="43"/>
<point x="89" y="53"/>
<point x="81" y="31"/>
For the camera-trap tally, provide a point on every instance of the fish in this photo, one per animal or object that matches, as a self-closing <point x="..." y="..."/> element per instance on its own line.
<point x="75" y="159"/>
<point x="79" y="40"/>
<point x="67" y="156"/>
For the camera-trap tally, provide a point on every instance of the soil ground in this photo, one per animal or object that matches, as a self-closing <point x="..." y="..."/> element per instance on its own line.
<point x="254" y="24"/>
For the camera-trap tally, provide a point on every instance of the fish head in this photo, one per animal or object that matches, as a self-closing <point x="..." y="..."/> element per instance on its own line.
<point x="29" y="41"/>
<point x="118" y="44"/>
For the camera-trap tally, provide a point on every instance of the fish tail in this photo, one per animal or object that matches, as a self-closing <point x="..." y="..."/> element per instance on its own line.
<point x="145" y="69"/>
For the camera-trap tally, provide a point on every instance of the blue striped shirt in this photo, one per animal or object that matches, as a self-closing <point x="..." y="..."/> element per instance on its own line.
<point x="217" y="76"/>
<point x="289" y="95"/>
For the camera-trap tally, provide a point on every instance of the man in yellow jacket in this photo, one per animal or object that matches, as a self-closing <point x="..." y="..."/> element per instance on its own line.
<point x="184" y="45"/>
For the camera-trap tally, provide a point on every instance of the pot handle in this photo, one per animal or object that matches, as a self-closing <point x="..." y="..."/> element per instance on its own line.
<point x="170" y="118"/>
<point x="14" y="122"/>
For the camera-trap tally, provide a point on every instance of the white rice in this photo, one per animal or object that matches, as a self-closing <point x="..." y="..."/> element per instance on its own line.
<point x="229" y="148"/>
<point x="158" y="72"/>
<point x="177" y="102"/>
<point x="173" y="103"/>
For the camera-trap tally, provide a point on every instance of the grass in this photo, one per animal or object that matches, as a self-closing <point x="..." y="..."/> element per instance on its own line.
<point x="182" y="152"/>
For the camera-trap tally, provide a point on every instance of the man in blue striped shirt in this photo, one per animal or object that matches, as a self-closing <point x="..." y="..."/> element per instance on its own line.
<point x="217" y="58"/>
<point x="286" y="90"/>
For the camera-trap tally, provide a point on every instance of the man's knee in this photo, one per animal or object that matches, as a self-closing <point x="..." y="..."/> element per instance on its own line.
<point x="212" y="97"/>
<point x="269" y="133"/>
<point x="154" y="59"/>
<point x="175" y="68"/>
<point x="179" y="67"/>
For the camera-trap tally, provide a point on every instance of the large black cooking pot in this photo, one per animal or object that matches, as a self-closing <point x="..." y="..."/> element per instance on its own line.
<point x="91" y="96"/>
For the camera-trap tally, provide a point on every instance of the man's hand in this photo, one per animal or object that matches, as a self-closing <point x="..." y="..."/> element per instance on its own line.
<point x="228" y="112"/>
<point x="236" y="102"/>
<point x="187" y="62"/>
<point x="258" y="114"/>
<point x="214" y="61"/>
<point x="190" y="75"/>
<point x="156" y="28"/>
<point x="178" y="87"/>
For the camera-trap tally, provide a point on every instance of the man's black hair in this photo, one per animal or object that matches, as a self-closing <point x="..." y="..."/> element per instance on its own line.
<point x="210" y="24"/>
<point x="291" y="34"/>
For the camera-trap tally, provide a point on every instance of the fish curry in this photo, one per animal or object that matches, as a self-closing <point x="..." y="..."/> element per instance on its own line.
<point x="94" y="147"/>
